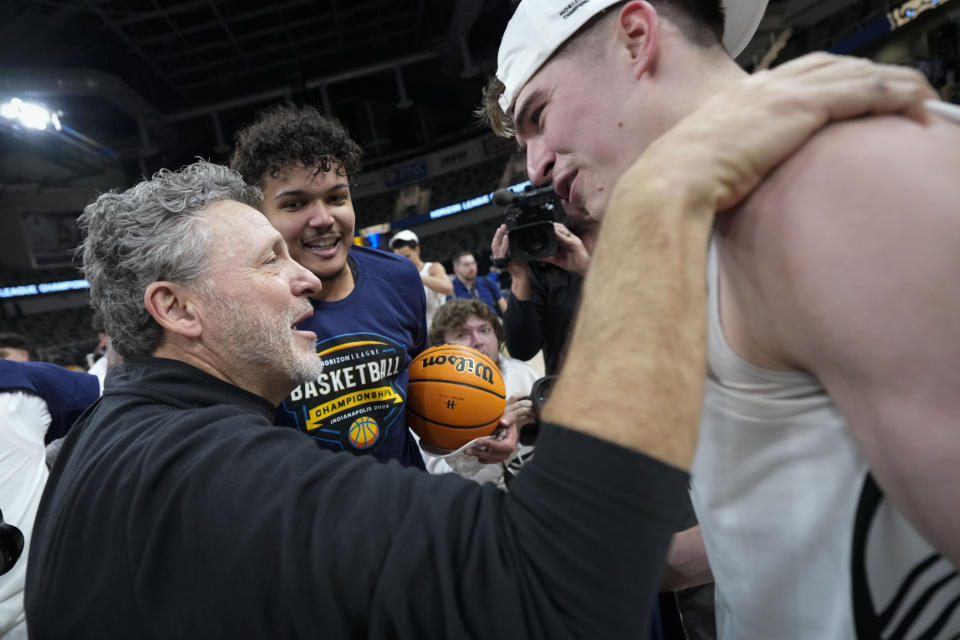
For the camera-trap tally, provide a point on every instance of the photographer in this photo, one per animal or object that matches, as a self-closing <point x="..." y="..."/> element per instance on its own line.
<point x="545" y="296"/>
<point x="545" y="292"/>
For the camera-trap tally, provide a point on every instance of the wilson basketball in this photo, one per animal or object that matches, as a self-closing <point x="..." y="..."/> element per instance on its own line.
<point x="456" y="394"/>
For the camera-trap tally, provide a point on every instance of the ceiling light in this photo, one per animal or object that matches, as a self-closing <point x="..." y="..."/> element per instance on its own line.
<point x="32" y="116"/>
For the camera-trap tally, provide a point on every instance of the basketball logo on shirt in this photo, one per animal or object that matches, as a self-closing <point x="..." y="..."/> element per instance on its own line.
<point x="357" y="397"/>
<point x="364" y="432"/>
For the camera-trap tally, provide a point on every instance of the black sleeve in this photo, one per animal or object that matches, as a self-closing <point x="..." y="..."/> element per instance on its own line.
<point x="523" y="321"/>
<point x="336" y="546"/>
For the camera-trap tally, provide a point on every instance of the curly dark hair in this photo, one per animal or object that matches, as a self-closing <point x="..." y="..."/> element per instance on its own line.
<point x="284" y="135"/>
<point x="455" y="313"/>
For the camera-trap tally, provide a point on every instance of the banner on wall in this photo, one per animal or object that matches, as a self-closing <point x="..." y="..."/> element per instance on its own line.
<point x="438" y="163"/>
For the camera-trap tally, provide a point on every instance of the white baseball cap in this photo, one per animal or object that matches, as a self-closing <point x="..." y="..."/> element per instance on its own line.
<point x="404" y="235"/>
<point x="540" y="27"/>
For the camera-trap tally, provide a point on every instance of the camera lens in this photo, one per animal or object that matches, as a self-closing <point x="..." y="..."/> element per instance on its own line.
<point x="535" y="239"/>
<point x="11" y="545"/>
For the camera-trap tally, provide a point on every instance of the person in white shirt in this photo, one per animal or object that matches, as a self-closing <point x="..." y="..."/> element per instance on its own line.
<point x="39" y="402"/>
<point x="471" y="322"/>
<point x="436" y="283"/>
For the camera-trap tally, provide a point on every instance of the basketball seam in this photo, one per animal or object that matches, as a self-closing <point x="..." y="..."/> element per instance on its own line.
<point x="462" y="384"/>
<point x="452" y="426"/>
<point x="457" y="347"/>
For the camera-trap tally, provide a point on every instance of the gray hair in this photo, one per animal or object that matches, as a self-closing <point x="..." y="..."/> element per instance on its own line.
<point x="151" y="232"/>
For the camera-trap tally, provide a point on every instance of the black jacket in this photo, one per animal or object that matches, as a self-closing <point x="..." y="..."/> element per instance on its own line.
<point x="176" y="510"/>
<point x="545" y="320"/>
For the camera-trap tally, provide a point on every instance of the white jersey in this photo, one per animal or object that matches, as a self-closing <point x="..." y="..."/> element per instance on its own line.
<point x="801" y="541"/>
<point x="24" y="420"/>
<point x="99" y="369"/>
<point x="434" y="298"/>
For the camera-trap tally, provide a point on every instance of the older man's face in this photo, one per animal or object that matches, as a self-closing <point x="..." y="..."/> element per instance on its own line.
<point x="260" y="297"/>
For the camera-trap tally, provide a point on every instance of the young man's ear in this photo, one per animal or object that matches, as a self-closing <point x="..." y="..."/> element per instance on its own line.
<point x="638" y="32"/>
<point x="174" y="308"/>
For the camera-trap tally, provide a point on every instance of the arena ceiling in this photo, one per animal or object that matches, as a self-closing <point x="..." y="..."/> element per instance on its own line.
<point x="158" y="82"/>
<point x="167" y="80"/>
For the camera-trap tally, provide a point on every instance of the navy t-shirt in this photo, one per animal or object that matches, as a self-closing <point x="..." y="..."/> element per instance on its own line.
<point x="366" y="341"/>
<point x="67" y="393"/>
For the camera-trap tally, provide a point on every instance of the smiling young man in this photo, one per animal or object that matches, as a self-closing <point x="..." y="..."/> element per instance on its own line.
<point x="370" y="314"/>
<point x="829" y="452"/>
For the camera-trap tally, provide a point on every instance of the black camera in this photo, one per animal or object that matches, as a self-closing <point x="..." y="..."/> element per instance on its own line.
<point x="529" y="218"/>
<point x="11" y="545"/>
<point x="539" y="393"/>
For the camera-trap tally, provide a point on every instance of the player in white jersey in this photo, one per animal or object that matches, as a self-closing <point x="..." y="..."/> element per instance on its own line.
<point x="802" y="519"/>
<point x="835" y="279"/>
<point x="436" y="283"/>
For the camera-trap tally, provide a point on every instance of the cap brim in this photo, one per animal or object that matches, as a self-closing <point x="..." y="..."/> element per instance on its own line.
<point x="742" y="19"/>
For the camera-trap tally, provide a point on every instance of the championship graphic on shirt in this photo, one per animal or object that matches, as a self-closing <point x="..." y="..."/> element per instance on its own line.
<point x="356" y="398"/>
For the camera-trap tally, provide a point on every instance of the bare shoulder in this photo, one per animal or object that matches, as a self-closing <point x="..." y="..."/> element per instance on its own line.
<point x="879" y="182"/>
<point x="861" y="164"/>
<point x="865" y="211"/>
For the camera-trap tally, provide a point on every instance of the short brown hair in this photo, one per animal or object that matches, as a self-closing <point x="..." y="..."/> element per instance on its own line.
<point x="701" y="21"/>
<point x="460" y="254"/>
<point x="455" y="313"/>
